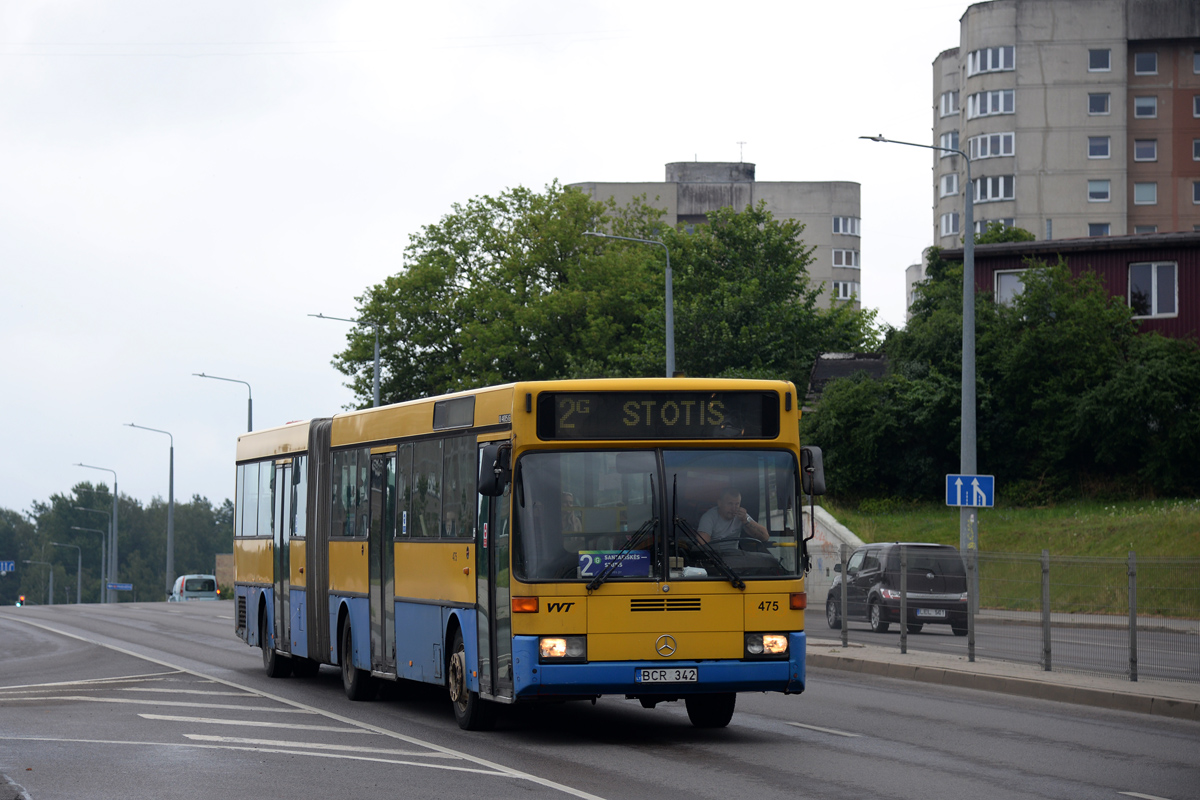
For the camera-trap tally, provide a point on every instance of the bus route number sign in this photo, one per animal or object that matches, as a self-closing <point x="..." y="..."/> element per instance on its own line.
<point x="657" y="415"/>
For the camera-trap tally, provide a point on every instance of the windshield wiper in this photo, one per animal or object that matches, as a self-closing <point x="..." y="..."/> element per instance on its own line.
<point x="647" y="526"/>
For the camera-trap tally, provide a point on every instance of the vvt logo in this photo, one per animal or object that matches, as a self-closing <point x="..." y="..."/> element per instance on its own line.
<point x="559" y="606"/>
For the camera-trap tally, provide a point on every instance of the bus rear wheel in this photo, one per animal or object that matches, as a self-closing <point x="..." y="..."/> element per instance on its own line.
<point x="710" y="710"/>
<point x="274" y="664"/>
<point x="357" y="682"/>
<point x="471" y="712"/>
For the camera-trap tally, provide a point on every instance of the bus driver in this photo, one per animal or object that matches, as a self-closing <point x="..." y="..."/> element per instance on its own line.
<point x="727" y="522"/>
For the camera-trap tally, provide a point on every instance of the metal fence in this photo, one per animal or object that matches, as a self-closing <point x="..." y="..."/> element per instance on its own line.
<point x="1136" y="617"/>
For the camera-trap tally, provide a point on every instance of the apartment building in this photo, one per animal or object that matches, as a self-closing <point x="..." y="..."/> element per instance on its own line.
<point x="829" y="210"/>
<point x="1080" y="118"/>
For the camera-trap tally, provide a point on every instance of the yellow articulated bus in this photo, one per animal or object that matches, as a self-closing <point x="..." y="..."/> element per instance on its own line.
<point x="536" y="541"/>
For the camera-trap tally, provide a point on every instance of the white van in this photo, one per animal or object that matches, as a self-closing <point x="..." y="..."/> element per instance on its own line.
<point x="194" y="587"/>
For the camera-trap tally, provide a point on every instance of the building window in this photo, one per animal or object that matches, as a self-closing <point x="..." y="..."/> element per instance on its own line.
<point x="1153" y="291"/>
<point x="1196" y="192"/>
<point x="845" y="290"/>
<point x="1145" y="107"/>
<point x="1098" y="147"/>
<point x="1098" y="103"/>
<point x="992" y="145"/>
<point x="1196" y="105"/>
<point x="1195" y="149"/>
<point x="1099" y="191"/>
<point x="991" y="59"/>
<point x="1008" y="285"/>
<point x="1145" y="149"/>
<point x="845" y="258"/>
<point x="949" y="103"/>
<point x="1196" y="63"/>
<point x="1099" y="60"/>
<point x="1145" y="63"/>
<point x="1145" y="194"/>
<point x="1143" y="229"/>
<point x="949" y="184"/>
<point x="994" y="188"/>
<point x="981" y="225"/>
<point x="1098" y="228"/>
<point x="950" y="141"/>
<point x="949" y="223"/>
<point x="987" y="104"/>
<point x="848" y="226"/>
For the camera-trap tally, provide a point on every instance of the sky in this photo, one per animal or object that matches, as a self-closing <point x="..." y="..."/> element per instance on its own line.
<point x="181" y="184"/>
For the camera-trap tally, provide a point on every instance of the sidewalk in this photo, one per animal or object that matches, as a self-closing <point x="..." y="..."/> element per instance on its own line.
<point x="1164" y="698"/>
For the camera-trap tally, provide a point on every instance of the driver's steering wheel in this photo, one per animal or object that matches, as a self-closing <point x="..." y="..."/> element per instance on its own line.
<point x="756" y="545"/>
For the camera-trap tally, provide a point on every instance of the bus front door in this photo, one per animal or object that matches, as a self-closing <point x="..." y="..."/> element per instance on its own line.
<point x="494" y="604"/>
<point x="380" y="557"/>
<point x="283" y="568"/>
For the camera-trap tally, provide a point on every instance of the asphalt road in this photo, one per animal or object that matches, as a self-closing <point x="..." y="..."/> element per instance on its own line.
<point x="154" y="700"/>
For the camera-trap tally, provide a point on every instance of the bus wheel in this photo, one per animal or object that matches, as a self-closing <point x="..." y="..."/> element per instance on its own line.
<point x="472" y="713"/>
<point x="356" y="682"/>
<point x="710" y="710"/>
<point x="276" y="666"/>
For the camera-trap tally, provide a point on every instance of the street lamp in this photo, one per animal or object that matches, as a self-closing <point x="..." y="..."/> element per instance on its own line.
<point x="51" y="566"/>
<point x="967" y="462"/>
<point x="670" y="302"/>
<point x="375" y="379"/>
<point x="170" y="508"/>
<point x="249" y="399"/>
<point x="78" y="570"/>
<point x="112" y="544"/>
<point x="102" y="536"/>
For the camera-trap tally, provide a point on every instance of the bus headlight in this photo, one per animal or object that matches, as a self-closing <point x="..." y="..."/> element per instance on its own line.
<point x="766" y="645"/>
<point x="562" y="648"/>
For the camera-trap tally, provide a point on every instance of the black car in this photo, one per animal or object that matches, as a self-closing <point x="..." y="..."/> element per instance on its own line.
<point x="937" y="587"/>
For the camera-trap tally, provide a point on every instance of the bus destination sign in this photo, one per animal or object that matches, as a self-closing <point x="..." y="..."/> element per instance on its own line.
<point x="657" y="415"/>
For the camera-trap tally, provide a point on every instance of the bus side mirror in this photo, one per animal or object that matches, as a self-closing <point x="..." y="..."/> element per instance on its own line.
<point x="494" y="469"/>
<point x="812" y="470"/>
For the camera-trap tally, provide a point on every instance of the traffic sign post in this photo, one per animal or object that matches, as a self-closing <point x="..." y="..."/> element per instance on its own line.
<point x="976" y="491"/>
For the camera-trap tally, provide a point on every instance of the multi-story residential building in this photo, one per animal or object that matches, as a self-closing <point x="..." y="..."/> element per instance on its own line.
<point x="829" y="210"/>
<point x="1079" y="117"/>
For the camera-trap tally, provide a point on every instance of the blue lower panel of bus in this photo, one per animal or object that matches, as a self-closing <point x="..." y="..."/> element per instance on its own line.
<point x="299" y="622"/>
<point x="532" y="679"/>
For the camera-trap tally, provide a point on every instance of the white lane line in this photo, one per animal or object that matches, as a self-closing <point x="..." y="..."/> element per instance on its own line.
<point x="184" y="691"/>
<point x="1143" y="796"/>
<point x="222" y="616"/>
<point x="365" y="726"/>
<point x="503" y="772"/>
<point x="93" y="681"/>
<point x="134" y="701"/>
<point x="254" y="723"/>
<point x="826" y="730"/>
<point x="349" y="748"/>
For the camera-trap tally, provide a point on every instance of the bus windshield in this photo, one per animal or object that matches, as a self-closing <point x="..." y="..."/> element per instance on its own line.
<point x="578" y="512"/>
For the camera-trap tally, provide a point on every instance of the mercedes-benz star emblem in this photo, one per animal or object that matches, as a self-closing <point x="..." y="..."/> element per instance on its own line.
<point x="666" y="645"/>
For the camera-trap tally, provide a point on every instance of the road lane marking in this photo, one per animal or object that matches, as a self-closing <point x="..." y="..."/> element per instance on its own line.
<point x="826" y="730"/>
<point x="134" y="701"/>
<point x="254" y="723"/>
<point x="94" y="681"/>
<point x="1143" y="796"/>
<point x="184" y="691"/>
<point x="203" y="737"/>
<point x="365" y="726"/>
<point x="502" y="772"/>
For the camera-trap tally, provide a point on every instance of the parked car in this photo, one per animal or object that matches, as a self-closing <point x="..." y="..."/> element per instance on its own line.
<point x="194" y="587"/>
<point x="937" y="587"/>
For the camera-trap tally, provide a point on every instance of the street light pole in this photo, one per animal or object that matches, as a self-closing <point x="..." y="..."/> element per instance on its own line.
<point x="78" y="570"/>
<point x="112" y="545"/>
<point x="670" y="300"/>
<point x="51" y="566"/>
<point x="249" y="399"/>
<point x="375" y="378"/>
<point x="170" y="508"/>
<point x="967" y="539"/>
<point x="102" y="548"/>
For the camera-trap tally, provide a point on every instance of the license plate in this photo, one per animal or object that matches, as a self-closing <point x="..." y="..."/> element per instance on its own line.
<point x="931" y="612"/>
<point x="668" y="675"/>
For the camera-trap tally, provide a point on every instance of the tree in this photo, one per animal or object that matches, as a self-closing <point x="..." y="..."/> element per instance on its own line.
<point x="508" y="288"/>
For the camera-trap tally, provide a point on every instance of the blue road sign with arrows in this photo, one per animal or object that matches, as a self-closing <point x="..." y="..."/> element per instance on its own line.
<point x="970" y="490"/>
<point x="8" y="566"/>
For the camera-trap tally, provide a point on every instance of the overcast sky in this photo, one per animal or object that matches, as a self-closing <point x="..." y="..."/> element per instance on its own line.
<point x="181" y="183"/>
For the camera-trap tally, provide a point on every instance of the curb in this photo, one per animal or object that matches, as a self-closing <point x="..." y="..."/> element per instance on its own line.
<point x="1062" y="693"/>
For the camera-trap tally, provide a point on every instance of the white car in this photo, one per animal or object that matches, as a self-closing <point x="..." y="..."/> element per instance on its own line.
<point x="194" y="587"/>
